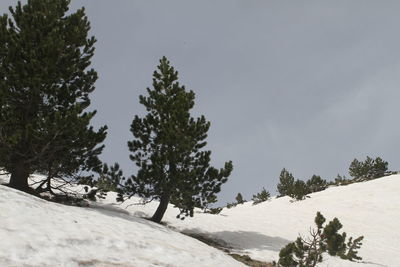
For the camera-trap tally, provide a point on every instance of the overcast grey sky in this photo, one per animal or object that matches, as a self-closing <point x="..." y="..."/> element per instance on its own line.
<point x="306" y="85"/>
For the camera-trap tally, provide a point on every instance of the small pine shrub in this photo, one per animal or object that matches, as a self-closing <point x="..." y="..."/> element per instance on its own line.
<point x="264" y="195"/>
<point x="341" y="180"/>
<point x="239" y="199"/>
<point x="307" y="252"/>
<point x="214" y="210"/>
<point x="231" y="205"/>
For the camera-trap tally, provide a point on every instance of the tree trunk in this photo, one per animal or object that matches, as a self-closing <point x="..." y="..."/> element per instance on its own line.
<point x="19" y="176"/>
<point x="158" y="215"/>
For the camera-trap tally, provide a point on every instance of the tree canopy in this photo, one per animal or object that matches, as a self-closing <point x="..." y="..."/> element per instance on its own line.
<point x="45" y="84"/>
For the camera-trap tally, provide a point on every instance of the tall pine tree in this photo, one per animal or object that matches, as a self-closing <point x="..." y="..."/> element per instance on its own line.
<point x="44" y="91"/>
<point x="167" y="148"/>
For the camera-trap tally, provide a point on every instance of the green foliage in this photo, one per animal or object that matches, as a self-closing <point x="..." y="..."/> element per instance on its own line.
<point x="316" y="184"/>
<point x="286" y="183"/>
<point x="239" y="199"/>
<point x="299" y="190"/>
<point x="353" y="246"/>
<point x="210" y="200"/>
<point x="370" y="168"/>
<point x="264" y="195"/>
<point x="44" y="91"/>
<point x="335" y="242"/>
<point x="287" y="255"/>
<point x="307" y="252"/>
<point x="231" y="205"/>
<point x="319" y="220"/>
<point x="110" y="179"/>
<point x="341" y="180"/>
<point x="106" y="184"/>
<point x="167" y="148"/>
<point x="214" y="210"/>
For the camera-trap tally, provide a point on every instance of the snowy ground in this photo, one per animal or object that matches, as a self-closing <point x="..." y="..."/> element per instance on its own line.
<point x="369" y="208"/>
<point x="34" y="232"/>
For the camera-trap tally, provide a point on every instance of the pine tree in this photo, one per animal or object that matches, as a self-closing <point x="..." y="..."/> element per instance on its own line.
<point x="286" y="183"/>
<point x="44" y="90"/>
<point x="167" y="148"/>
<point x="379" y="168"/>
<point x="264" y="195"/>
<point x="316" y="184"/>
<point x="299" y="190"/>
<point x="359" y="169"/>
<point x="370" y="168"/>
<point x="335" y="242"/>
<point x="307" y="252"/>
<point x="239" y="199"/>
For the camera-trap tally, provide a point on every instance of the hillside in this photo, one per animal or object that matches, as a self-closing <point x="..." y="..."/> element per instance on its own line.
<point x="369" y="208"/>
<point x="34" y="232"/>
<point x="39" y="233"/>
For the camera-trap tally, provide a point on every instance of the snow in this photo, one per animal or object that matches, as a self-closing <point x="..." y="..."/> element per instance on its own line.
<point x="369" y="208"/>
<point x="34" y="232"/>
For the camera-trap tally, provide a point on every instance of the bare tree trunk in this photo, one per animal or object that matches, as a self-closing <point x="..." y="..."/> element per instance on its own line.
<point x="40" y="188"/>
<point x="158" y="215"/>
<point x="19" y="176"/>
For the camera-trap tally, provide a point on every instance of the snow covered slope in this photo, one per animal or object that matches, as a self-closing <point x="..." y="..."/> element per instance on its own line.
<point x="370" y="208"/>
<point x="34" y="232"/>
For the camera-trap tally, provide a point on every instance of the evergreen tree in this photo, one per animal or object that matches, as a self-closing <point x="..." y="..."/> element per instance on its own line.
<point x="370" y="168"/>
<point x="379" y="168"/>
<point x="316" y="184"/>
<point x="299" y="190"/>
<point x="307" y="252"/>
<point x="341" y="180"/>
<point x="239" y="199"/>
<point x="167" y="148"/>
<point x="44" y="91"/>
<point x="264" y="195"/>
<point x="357" y="169"/>
<point x="286" y="183"/>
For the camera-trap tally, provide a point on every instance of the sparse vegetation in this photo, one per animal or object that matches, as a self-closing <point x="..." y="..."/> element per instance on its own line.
<point x="263" y="196"/>
<point x="239" y="199"/>
<point x="214" y="210"/>
<point x="368" y="169"/>
<point x="316" y="184"/>
<point x="307" y="252"/>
